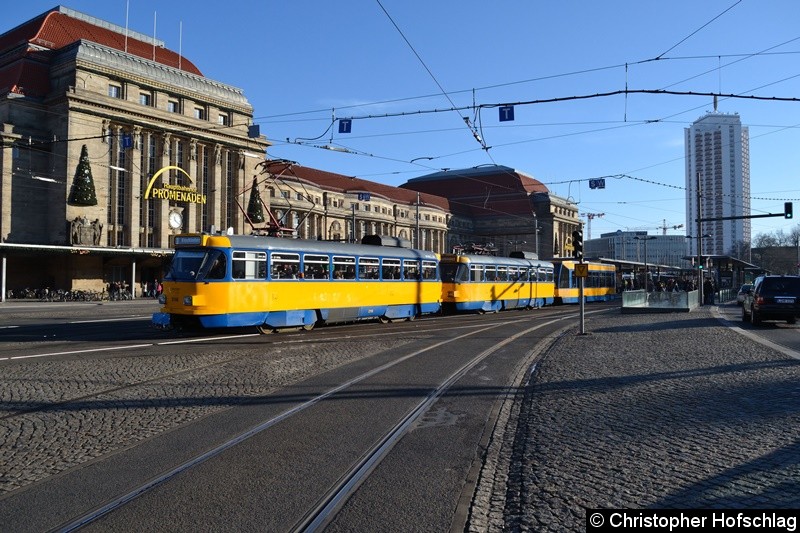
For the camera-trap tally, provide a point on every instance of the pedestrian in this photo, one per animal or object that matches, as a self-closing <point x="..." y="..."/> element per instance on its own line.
<point x="708" y="291"/>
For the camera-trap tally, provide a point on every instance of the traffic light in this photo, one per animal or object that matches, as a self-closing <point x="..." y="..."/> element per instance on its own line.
<point x="577" y="244"/>
<point x="787" y="209"/>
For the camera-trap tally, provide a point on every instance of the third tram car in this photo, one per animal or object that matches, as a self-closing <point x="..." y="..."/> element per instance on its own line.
<point x="600" y="286"/>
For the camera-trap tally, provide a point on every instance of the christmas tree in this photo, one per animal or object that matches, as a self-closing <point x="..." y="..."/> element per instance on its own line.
<point x="82" y="191"/>
<point x="255" y="212"/>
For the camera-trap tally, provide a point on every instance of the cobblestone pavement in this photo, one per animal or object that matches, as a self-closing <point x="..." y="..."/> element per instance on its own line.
<point x="58" y="414"/>
<point x="650" y="411"/>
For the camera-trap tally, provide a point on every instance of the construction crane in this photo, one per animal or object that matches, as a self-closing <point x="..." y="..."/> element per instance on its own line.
<point x="591" y="216"/>
<point x="663" y="227"/>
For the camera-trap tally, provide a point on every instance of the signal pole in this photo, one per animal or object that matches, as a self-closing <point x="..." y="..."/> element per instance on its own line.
<point x="581" y="271"/>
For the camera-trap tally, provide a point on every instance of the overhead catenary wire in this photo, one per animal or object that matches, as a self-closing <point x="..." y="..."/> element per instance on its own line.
<point x="439" y="157"/>
<point x="471" y="127"/>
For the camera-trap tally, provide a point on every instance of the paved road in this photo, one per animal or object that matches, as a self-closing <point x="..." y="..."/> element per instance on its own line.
<point x="646" y="411"/>
<point x="650" y="411"/>
<point x="86" y="416"/>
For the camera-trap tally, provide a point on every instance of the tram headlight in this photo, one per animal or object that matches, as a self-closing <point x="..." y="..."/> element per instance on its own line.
<point x="187" y="300"/>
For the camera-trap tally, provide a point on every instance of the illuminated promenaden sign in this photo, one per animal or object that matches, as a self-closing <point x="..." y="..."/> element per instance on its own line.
<point x="176" y="193"/>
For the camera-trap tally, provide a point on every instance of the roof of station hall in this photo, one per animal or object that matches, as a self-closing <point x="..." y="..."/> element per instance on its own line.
<point x="283" y="170"/>
<point x="490" y="190"/>
<point x="60" y="27"/>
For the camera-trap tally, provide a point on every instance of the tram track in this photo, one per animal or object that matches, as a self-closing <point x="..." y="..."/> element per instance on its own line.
<point x="322" y="511"/>
<point x="327" y="507"/>
<point x="419" y="331"/>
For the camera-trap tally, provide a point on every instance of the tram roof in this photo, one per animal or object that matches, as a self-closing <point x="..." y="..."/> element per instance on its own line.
<point x="480" y="259"/>
<point x="325" y="247"/>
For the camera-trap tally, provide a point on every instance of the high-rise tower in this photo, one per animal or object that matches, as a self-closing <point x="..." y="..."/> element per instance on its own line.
<point x="718" y="158"/>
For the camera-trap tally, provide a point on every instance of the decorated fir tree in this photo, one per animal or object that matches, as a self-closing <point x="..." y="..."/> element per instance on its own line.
<point x="82" y="191"/>
<point x="255" y="211"/>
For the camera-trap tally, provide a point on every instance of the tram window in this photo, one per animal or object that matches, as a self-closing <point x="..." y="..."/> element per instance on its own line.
<point x="429" y="270"/>
<point x="410" y="269"/>
<point x="368" y="268"/>
<point x="344" y="267"/>
<point x="449" y="272"/>
<point x="249" y="265"/>
<point x="284" y="266"/>
<point x="490" y="273"/>
<point x="185" y="264"/>
<point x="546" y="274"/>
<point x="316" y="266"/>
<point x="476" y="273"/>
<point x="502" y="274"/>
<point x="453" y="272"/>
<point x="390" y="269"/>
<point x="218" y="265"/>
<point x="564" y="277"/>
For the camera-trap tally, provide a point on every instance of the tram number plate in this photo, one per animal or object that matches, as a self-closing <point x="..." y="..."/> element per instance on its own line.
<point x="581" y="270"/>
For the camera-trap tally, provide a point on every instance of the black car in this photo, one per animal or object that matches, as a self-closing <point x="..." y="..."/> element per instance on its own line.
<point x="773" y="298"/>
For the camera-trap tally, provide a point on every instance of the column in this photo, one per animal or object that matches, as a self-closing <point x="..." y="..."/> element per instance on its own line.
<point x="161" y="229"/>
<point x="6" y="170"/>
<point x="134" y="189"/>
<point x="214" y="194"/>
<point x="191" y="220"/>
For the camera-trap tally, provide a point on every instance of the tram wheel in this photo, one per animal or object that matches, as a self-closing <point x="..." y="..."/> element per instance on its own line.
<point x="384" y="319"/>
<point x="309" y="327"/>
<point x="265" y="329"/>
<point x="411" y="318"/>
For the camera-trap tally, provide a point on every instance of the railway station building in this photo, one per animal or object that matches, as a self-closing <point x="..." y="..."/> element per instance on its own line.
<point x="313" y="204"/>
<point x="495" y="206"/>
<point x="112" y="144"/>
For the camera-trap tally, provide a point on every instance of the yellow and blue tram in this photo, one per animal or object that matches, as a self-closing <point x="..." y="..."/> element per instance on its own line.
<point x="243" y="280"/>
<point x="599" y="286"/>
<point x="485" y="283"/>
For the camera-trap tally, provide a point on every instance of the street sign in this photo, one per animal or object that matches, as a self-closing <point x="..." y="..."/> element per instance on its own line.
<point x="581" y="270"/>
<point x="506" y="113"/>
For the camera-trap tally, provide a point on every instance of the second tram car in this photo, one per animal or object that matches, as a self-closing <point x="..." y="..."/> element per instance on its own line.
<point x="271" y="283"/>
<point x="485" y="283"/>
<point x="600" y="286"/>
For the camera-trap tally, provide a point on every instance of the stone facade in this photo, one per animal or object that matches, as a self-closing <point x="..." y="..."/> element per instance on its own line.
<point x="136" y="115"/>
<point x="500" y="208"/>
<point x="313" y="204"/>
<point x="172" y="151"/>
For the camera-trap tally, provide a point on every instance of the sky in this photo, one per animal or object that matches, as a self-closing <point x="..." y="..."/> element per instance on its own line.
<point x="421" y="81"/>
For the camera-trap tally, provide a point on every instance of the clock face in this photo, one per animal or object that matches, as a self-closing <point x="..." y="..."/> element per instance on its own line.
<point x="175" y="220"/>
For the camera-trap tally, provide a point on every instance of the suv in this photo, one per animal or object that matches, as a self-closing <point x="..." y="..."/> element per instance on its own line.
<point x="772" y="298"/>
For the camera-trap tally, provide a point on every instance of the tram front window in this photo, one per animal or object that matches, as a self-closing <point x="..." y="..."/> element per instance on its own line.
<point x="453" y="273"/>
<point x="193" y="265"/>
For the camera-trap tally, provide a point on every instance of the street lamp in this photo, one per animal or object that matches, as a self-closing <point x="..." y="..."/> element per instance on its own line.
<point x="645" y="238"/>
<point x="515" y="243"/>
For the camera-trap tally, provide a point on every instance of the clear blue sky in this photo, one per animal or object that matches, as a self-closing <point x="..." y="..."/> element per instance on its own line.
<point x="301" y="62"/>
